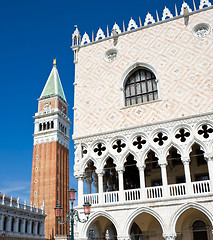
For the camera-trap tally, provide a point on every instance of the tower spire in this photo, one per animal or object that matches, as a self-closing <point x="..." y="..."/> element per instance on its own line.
<point x="53" y="85"/>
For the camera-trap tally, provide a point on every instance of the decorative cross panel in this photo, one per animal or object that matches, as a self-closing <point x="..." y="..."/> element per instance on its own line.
<point x="84" y="151"/>
<point x="139" y="142"/>
<point x="205" y="131"/>
<point x="119" y="145"/>
<point x="160" y="139"/>
<point x="182" y="135"/>
<point x="99" y="149"/>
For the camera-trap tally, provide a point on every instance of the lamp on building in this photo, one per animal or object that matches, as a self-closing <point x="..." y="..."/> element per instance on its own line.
<point x="72" y="213"/>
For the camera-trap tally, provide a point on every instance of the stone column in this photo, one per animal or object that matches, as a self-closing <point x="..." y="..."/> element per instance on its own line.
<point x="29" y="226"/>
<point x="89" y="181"/>
<point x="16" y="222"/>
<point x="142" y="181"/>
<point x="23" y="223"/>
<point x="121" y="184"/>
<point x="80" y="190"/>
<point x="164" y="179"/>
<point x="100" y="187"/>
<point x="35" y="228"/>
<point x="1" y="222"/>
<point x="186" y="162"/>
<point x="8" y="223"/>
<point x="209" y="159"/>
<point x="41" y="230"/>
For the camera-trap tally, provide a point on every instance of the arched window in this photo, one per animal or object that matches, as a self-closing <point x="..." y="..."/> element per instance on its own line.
<point x="140" y="87"/>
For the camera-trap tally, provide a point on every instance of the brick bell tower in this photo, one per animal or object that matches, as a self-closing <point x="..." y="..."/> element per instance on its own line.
<point x="50" y="168"/>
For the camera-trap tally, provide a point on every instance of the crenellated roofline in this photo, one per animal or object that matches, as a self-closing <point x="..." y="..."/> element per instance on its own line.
<point x="167" y="16"/>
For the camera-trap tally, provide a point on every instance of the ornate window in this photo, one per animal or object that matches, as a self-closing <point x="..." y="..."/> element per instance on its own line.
<point x="140" y="87"/>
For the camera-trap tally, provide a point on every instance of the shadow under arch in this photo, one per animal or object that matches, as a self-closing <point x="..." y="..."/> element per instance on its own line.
<point x="129" y="222"/>
<point x="198" y="142"/>
<point x="94" y="217"/>
<point x="186" y="207"/>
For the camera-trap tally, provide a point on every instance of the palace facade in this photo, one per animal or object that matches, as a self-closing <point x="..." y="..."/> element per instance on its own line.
<point x="143" y="127"/>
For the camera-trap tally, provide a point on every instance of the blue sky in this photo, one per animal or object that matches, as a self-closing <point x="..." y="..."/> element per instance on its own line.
<point x="32" y="33"/>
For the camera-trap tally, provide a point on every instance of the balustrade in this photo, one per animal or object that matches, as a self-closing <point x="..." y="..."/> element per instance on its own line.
<point x="91" y="198"/>
<point x="132" y="195"/>
<point x="177" y="189"/>
<point x="152" y="193"/>
<point x="110" y="197"/>
<point x="201" y="187"/>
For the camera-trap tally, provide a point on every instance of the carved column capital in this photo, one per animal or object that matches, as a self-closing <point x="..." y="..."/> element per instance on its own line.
<point x="208" y="156"/>
<point x="79" y="176"/>
<point x="100" y="172"/>
<point x="185" y="160"/>
<point x="162" y="165"/>
<point x="141" y="167"/>
<point x="120" y="169"/>
<point x="169" y="236"/>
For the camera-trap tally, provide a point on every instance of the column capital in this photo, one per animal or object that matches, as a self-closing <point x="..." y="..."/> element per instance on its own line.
<point x="185" y="160"/>
<point x="208" y="156"/>
<point x="169" y="236"/>
<point x="141" y="167"/>
<point x="79" y="176"/>
<point x="120" y="168"/>
<point x="100" y="172"/>
<point x="162" y="164"/>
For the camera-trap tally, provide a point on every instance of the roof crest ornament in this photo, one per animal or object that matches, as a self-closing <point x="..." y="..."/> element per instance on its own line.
<point x="185" y="6"/>
<point x="185" y="11"/>
<point x="116" y="28"/>
<point x="204" y="3"/>
<point x="132" y="25"/>
<point x="100" y="35"/>
<point x="166" y="14"/>
<point x="149" y="19"/>
<point x="85" y="39"/>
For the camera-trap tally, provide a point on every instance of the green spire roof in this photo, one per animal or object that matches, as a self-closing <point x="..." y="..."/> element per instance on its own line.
<point x="53" y="85"/>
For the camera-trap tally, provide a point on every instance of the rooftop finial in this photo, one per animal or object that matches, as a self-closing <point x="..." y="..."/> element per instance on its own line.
<point x="54" y="61"/>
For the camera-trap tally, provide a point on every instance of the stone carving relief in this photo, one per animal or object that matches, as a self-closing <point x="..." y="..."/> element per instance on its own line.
<point x="201" y="30"/>
<point x="85" y="39"/>
<point x="100" y="35"/>
<point x="132" y="25"/>
<point x="166" y="14"/>
<point x="149" y="19"/>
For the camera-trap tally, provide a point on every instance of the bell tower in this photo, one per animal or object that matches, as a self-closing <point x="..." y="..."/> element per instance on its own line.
<point x="50" y="167"/>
